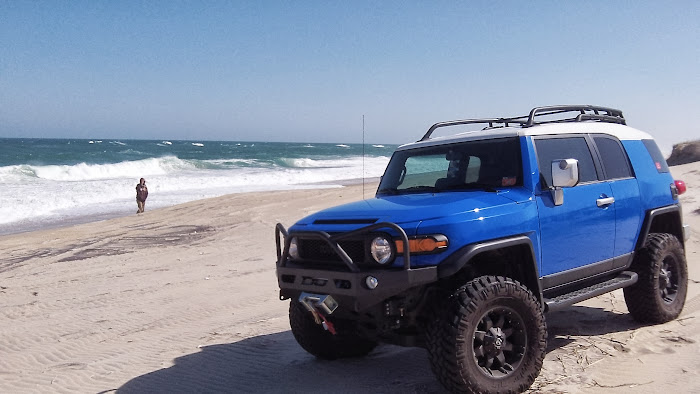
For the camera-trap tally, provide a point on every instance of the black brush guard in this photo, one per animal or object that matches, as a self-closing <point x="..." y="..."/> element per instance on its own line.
<point x="348" y="287"/>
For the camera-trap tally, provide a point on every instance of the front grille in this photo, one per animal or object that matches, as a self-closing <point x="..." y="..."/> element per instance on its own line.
<point x="318" y="250"/>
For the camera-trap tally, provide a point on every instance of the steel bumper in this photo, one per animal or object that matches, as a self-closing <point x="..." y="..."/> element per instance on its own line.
<point x="348" y="285"/>
<point x="350" y="288"/>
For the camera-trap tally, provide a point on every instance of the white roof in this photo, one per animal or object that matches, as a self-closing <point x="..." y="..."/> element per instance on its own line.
<point x="622" y="132"/>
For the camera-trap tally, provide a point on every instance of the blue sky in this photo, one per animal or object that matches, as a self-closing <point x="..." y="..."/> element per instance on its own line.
<point x="309" y="71"/>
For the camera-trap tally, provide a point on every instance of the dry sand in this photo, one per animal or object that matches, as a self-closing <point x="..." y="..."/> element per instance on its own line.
<point x="184" y="299"/>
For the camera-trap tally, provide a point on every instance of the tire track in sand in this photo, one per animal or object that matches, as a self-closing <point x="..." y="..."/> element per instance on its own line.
<point x="666" y="353"/>
<point x="92" y="353"/>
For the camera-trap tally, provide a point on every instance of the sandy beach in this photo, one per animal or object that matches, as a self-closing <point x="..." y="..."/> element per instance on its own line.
<point x="185" y="299"/>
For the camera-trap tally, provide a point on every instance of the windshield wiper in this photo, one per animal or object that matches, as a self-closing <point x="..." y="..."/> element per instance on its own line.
<point x="432" y="189"/>
<point x="470" y="186"/>
<point x="476" y="185"/>
<point x="421" y="189"/>
<point x="388" y="190"/>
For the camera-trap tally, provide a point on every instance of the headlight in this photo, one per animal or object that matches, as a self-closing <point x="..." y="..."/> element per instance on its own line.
<point x="294" y="249"/>
<point x="381" y="250"/>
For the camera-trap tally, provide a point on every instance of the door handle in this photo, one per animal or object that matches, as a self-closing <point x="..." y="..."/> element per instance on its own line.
<point x="604" y="202"/>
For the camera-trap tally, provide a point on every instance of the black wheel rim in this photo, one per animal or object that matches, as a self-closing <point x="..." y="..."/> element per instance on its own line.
<point x="668" y="279"/>
<point x="500" y="341"/>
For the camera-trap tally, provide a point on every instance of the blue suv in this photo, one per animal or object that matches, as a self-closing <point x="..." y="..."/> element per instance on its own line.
<point x="473" y="237"/>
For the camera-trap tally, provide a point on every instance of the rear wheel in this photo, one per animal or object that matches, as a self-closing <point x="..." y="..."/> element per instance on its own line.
<point x="659" y="294"/>
<point x="313" y="338"/>
<point x="490" y="337"/>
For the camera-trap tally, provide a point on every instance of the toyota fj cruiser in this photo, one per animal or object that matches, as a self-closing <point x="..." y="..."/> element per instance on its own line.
<point x="472" y="237"/>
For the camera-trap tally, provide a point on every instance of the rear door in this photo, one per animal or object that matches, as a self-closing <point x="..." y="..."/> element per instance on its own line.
<point x="618" y="172"/>
<point x="578" y="233"/>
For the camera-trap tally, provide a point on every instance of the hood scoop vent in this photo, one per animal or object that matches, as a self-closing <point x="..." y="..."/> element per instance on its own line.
<point x="345" y="221"/>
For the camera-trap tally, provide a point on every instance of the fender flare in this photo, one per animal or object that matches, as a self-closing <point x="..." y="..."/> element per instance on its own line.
<point x="461" y="258"/>
<point x="649" y="219"/>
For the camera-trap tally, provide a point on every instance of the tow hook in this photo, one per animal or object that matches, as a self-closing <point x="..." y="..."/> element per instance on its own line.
<point x="320" y="305"/>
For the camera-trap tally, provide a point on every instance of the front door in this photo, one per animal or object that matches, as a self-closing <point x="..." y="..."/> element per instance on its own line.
<point x="581" y="231"/>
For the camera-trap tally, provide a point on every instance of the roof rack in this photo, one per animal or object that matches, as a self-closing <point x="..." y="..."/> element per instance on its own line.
<point x="585" y="113"/>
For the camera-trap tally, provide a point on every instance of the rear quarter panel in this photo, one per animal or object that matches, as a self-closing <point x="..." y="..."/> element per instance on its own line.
<point x="654" y="186"/>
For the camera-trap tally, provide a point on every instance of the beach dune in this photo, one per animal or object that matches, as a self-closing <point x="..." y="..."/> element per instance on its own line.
<point x="185" y="299"/>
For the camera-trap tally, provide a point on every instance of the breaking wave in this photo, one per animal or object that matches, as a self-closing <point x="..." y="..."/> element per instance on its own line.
<point x="36" y="193"/>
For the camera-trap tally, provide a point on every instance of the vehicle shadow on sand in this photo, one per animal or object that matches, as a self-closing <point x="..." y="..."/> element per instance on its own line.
<point x="276" y="364"/>
<point x="585" y="321"/>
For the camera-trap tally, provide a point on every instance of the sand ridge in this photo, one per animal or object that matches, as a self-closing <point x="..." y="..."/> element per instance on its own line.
<point x="184" y="299"/>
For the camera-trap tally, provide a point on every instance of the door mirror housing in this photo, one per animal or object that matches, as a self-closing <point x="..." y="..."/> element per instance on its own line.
<point x="564" y="174"/>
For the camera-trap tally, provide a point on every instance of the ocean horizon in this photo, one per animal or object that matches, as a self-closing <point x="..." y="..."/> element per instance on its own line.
<point x="46" y="183"/>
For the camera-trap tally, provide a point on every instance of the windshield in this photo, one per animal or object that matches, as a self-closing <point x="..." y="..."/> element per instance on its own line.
<point x="473" y="165"/>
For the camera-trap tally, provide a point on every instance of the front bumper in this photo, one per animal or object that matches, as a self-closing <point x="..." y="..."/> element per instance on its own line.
<point x="348" y="286"/>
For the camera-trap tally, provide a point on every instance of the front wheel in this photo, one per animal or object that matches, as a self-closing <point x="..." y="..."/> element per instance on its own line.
<point x="659" y="294"/>
<point x="490" y="337"/>
<point x="347" y="342"/>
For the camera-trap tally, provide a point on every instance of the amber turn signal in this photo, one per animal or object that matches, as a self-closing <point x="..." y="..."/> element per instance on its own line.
<point x="423" y="245"/>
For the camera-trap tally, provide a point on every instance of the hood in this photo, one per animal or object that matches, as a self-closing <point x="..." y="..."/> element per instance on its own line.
<point x="411" y="208"/>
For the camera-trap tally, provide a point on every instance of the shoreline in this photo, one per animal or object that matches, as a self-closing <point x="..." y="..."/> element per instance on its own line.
<point x="57" y="223"/>
<point x="68" y="183"/>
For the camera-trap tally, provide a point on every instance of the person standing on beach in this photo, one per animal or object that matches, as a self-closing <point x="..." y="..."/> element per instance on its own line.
<point x="141" y="195"/>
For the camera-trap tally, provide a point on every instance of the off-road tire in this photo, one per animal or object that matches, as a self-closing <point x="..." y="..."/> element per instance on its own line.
<point x="659" y="294"/>
<point x="490" y="322"/>
<point x="316" y="340"/>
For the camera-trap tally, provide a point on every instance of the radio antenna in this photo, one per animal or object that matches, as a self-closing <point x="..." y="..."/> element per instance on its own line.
<point x="363" y="157"/>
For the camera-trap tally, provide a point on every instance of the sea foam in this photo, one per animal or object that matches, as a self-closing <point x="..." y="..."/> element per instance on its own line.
<point x="34" y="194"/>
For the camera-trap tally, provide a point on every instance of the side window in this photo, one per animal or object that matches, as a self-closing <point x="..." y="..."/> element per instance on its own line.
<point x="550" y="149"/>
<point x="656" y="156"/>
<point x="614" y="158"/>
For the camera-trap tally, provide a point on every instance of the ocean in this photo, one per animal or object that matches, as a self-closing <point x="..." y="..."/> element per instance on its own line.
<point x="51" y="182"/>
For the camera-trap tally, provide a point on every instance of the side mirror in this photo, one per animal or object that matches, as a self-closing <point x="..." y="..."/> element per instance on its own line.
<point x="564" y="174"/>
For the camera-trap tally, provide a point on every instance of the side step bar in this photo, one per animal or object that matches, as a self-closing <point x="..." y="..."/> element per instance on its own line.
<point x="626" y="278"/>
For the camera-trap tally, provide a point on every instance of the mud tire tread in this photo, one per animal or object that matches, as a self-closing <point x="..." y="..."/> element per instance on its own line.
<point x="448" y="345"/>
<point x="643" y="298"/>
